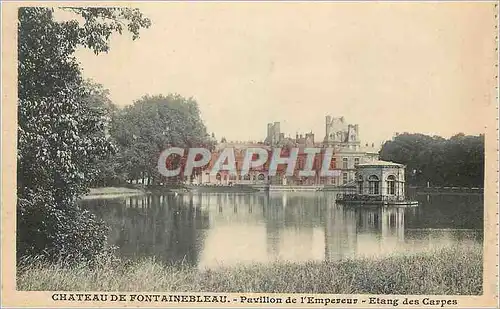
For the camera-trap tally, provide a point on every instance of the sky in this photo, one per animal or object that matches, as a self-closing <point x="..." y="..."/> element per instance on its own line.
<point x="389" y="67"/>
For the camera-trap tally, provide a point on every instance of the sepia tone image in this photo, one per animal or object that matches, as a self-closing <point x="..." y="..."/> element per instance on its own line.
<point x="324" y="148"/>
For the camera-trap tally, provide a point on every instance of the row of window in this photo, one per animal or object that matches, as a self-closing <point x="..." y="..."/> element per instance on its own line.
<point x="374" y="185"/>
<point x="375" y="178"/>
<point x="261" y="177"/>
<point x="345" y="162"/>
<point x="239" y="177"/>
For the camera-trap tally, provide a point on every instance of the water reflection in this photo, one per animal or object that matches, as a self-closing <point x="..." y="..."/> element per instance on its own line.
<point x="208" y="230"/>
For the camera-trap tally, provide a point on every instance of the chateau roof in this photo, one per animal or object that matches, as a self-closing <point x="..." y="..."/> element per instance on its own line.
<point x="380" y="163"/>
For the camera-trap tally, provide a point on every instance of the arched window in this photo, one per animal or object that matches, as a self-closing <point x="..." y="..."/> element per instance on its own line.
<point x="360" y="184"/>
<point x="391" y="185"/>
<point x="261" y="177"/>
<point x="373" y="185"/>
<point x="218" y="176"/>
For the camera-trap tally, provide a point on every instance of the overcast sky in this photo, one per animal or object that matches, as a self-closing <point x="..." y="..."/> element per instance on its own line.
<point x="389" y="67"/>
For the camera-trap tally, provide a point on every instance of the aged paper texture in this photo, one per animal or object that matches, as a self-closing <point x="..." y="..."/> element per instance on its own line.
<point x="250" y="154"/>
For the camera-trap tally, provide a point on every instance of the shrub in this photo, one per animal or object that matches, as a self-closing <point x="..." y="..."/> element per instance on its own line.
<point x="58" y="233"/>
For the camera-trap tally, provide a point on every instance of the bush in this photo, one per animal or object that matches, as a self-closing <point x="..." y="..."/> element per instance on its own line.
<point x="58" y="233"/>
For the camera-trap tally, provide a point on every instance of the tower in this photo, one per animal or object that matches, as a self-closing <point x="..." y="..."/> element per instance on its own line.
<point x="273" y="133"/>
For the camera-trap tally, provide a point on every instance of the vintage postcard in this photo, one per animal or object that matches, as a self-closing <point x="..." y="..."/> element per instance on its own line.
<point x="250" y="154"/>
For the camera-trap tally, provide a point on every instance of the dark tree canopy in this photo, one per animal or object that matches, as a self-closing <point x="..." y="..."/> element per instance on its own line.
<point x="457" y="161"/>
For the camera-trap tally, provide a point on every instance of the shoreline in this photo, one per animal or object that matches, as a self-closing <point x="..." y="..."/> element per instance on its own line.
<point x="112" y="192"/>
<point x="446" y="271"/>
<point x="117" y="192"/>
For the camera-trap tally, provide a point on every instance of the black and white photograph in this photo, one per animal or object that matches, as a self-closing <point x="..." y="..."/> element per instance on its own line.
<point x="250" y="154"/>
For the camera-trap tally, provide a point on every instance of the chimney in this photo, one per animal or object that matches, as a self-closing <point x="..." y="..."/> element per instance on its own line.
<point x="328" y="121"/>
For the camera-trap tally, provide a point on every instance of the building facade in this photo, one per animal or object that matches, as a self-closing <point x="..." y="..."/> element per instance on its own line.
<point x="381" y="179"/>
<point x="343" y="137"/>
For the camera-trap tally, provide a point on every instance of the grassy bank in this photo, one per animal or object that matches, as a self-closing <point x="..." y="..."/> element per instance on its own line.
<point x="446" y="271"/>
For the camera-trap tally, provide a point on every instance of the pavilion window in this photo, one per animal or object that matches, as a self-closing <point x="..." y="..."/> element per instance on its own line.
<point x="373" y="185"/>
<point x="391" y="185"/>
<point x="360" y="184"/>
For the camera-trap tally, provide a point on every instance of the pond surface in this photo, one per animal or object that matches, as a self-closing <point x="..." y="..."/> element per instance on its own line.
<point x="224" y="229"/>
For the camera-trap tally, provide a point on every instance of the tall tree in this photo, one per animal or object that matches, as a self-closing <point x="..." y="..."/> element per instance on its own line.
<point x="108" y="167"/>
<point x="151" y="125"/>
<point x="60" y="135"/>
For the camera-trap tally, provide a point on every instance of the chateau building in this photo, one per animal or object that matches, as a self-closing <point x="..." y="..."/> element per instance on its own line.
<point x="254" y="176"/>
<point x="344" y="138"/>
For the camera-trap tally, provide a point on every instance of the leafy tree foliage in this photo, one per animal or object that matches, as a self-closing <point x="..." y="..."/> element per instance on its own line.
<point x="60" y="131"/>
<point x="458" y="161"/>
<point x="108" y="166"/>
<point x="151" y="125"/>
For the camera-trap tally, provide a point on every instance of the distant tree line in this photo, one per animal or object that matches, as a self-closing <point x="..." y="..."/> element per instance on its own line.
<point x="457" y="161"/>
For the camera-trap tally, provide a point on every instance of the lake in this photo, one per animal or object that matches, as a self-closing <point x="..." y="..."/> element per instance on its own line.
<point x="223" y="229"/>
